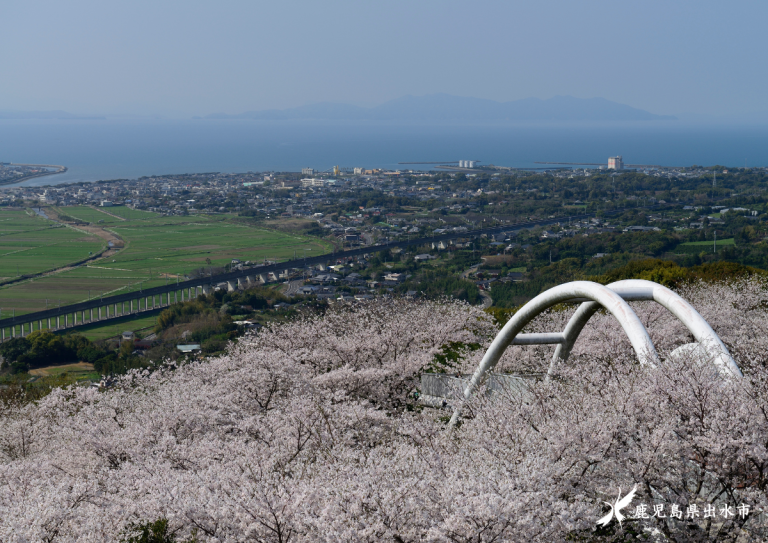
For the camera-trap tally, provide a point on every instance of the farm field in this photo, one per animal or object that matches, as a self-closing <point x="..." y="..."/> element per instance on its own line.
<point x="78" y="371"/>
<point x="104" y="331"/>
<point x="158" y="250"/>
<point x="32" y="244"/>
<point x="695" y="247"/>
<point x="727" y="241"/>
<point x="106" y="216"/>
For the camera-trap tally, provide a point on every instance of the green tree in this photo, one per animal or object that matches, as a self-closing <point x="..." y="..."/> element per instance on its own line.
<point x="154" y="532"/>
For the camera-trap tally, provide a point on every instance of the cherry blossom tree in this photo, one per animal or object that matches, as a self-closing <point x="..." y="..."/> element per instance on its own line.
<point x="311" y="431"/>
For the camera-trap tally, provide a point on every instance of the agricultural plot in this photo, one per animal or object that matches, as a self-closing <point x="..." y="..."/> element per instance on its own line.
<point x="107" y="215"/>
<point x="101" y="331"/>
<point x="158" y="250"/>
<point x="179" y="248"/>
<point x="79" y="371"/>
<point x="696" y="247"/>
<point x="89" y="214"/>
<point x="32" y="244"/>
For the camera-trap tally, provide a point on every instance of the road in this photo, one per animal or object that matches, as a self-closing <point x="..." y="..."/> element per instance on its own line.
<point x="292" y="287"/>
<point x="108" y="213"/>
<point x="487" y="300"/>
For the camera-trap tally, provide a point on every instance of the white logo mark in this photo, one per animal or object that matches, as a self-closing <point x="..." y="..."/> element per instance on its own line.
<point x="617" y="506"/>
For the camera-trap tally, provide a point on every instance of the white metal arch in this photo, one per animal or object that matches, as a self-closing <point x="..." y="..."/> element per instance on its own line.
<point x="614" y="299"/>
<point x="577" y="290"/>
<point x="640" y="289"/>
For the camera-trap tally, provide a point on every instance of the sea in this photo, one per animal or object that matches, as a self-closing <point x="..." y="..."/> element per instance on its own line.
<point x="103" y="149"/>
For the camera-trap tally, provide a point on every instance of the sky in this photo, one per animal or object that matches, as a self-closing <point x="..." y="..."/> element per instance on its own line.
<point x="184" y="58"/>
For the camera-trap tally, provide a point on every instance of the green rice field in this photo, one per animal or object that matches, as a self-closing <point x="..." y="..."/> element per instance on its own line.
<point x="112" y="329"/>
<point x="107" y="215"/>
<point x="158" y="250"/>
<point x="31" y="244"/>
<point x="696" y="247"/>
<point x="726" y="241"/>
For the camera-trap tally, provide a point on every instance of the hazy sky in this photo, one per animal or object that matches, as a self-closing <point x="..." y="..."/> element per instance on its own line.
<point x="190" y="57"/>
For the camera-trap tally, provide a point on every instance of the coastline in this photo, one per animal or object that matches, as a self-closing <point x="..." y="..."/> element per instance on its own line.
<point x="59" y="169"/>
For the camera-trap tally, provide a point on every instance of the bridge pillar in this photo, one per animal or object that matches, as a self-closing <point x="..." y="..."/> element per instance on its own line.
<point x="153" y="301"/>
<point x="231" y="287"/>
<point x="13" y="331"/>
<point x="99" y="313"/>
<point x="206" y="289"/>
<point x="175" y="296"/>
<point x="114" y="310"/>
<point x="58" y="323"/>
<point x="131" y="306"/>
<point x="39" y="325"/>
<point x="2" y="334"/>
<point x="49" y="323"/>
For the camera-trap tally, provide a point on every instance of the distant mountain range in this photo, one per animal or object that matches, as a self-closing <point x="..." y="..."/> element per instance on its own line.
<point x="444" y="107"/>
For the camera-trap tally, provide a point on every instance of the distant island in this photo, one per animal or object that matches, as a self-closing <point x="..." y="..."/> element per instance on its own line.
<point x="47" y="115"/>
<point x="445" y="107"/>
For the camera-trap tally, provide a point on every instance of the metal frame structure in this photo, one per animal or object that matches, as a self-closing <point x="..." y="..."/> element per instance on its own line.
<point x="612" y="298"/>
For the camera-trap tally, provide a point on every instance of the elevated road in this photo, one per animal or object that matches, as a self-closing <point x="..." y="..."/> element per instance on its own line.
<point x="74" y="315"/>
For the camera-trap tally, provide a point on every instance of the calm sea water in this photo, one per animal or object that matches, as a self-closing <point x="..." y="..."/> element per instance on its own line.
<point x="112" y="149"/>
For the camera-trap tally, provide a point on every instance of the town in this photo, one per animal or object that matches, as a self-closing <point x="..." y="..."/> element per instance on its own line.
<point x="597" y="219"/>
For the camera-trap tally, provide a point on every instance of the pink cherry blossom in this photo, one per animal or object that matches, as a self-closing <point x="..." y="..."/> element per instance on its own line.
<point x="310" y="431"/>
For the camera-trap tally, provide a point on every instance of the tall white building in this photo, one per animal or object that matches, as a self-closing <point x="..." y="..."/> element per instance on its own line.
<point x="615" y="163"/>
<point x="307" y="171"/>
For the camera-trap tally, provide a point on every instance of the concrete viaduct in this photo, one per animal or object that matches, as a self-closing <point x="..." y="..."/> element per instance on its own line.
<point x="137" y="302"/>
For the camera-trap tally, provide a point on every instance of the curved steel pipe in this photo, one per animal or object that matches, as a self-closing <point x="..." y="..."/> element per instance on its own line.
<point x="685" y="312"/>
<point x="614" y="299"/>
<point x="601" y="295"/>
